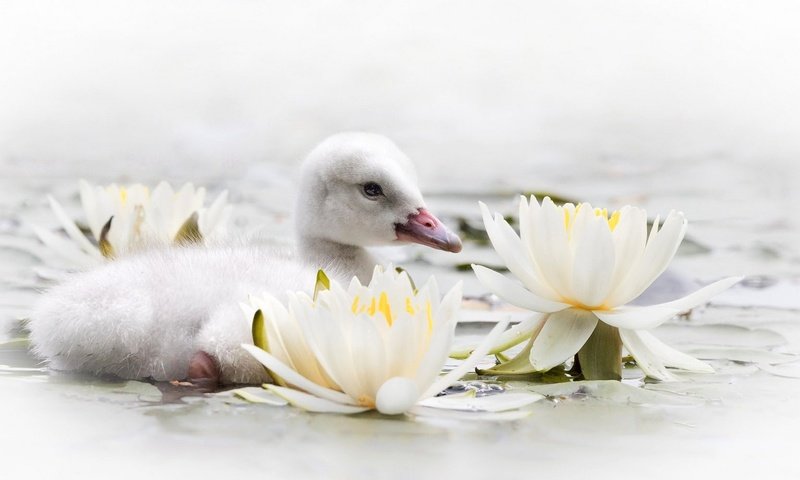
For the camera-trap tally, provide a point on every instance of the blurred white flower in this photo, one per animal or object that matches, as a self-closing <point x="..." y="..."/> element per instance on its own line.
<point x="124" y="219"/>
<point x="580" y="266"/>
<point x="380" y="346"/>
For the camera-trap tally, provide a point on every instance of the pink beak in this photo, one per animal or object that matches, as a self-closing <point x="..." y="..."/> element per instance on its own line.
<point x="425" y="229"/>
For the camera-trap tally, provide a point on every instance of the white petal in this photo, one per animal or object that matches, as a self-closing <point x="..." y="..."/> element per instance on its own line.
<point x="703" y="295"/>
<point x="660" y="248"/>
<point x="159" y="210"/>
<point x="312" y="403"/>
<point x="525" y="222"/>
<point x="398" y="339"/>
<point x="469" y="364"/>
<point x="490" y="403"/>
<point x="671" y="357"/>
<point x="630" y="238"/>
<point x="645" y="358"/>
<point x="511" y="337"/>
<point x="639" y="318"/>
<point x="432" y="292"/>
<point x="72" y="230"/>
<point x="645" y="318"/>
<point x="435" y="356"/>
<point x="513" y="292"/>
<point x="258" y="395"/>
<point x="90" y="208"/>
<point x="369" y="356"/>
<point x="294" y="378"/>
<point x="563" y="334"/>
<point x="450" y="304"/>
<point x="68" y="250"/>
<point x="593" y="263"/>
<point x="327" y="333"/>
<point x="397" y="395"/>
<point x="515" y="256"/>
<point x="551" y="247"/>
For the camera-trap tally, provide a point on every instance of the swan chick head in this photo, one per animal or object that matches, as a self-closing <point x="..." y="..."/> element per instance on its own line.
<point x="359" y="189"/>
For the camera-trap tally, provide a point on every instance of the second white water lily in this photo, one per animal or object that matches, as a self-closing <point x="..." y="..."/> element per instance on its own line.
<point x="123" y="219"/>
<point x="380" y="346"/>
<point x="580" y="267"/>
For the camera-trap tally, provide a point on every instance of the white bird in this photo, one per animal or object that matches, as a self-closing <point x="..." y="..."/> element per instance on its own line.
<point x="172" y="314"/>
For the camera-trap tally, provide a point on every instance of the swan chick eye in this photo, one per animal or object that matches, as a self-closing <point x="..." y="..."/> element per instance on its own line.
<point x="372" y="190"/>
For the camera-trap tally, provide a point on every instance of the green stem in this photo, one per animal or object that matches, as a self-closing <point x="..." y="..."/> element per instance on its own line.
<point x="601" y="357"/>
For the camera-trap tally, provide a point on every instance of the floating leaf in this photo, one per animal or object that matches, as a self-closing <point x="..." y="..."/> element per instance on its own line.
<point x="719" y="335"/>
<point x="610" y="391"/>
<point x="489" y="403"/>
<point x="739" y="354"/>
<point x="788" y="370"/>
<point x="189" y="233"/>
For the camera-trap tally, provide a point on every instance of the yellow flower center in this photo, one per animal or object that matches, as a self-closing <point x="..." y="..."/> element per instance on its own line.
<point x="612" y="220"/>
<point x="381" y="305"/>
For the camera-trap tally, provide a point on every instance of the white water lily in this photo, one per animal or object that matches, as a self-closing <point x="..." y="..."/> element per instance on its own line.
<point x="380" y="346"/>
<point x="124" y="219"/>
<point x="580" y="267"/>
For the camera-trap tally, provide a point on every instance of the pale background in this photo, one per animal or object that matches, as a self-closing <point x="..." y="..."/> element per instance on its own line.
<point x="150" y="88"/>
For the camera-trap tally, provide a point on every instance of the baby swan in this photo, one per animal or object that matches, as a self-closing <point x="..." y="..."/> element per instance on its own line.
<point x="173" y="314"/>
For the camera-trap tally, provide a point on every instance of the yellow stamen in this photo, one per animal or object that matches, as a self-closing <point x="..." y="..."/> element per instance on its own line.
<point x="385" y="308"/>
<point x="371" y="309"/>
<point x="123" y="195"/>
<point x="354" y="307"/>
<point x="409" y="306"/>
<point x="614" y="220"/>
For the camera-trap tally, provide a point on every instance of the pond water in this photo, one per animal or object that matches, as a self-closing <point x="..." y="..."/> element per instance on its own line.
<point x="742" y="421"/>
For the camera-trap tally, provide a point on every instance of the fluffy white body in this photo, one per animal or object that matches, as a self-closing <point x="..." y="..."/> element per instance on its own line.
<point x="147" y="315"/>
